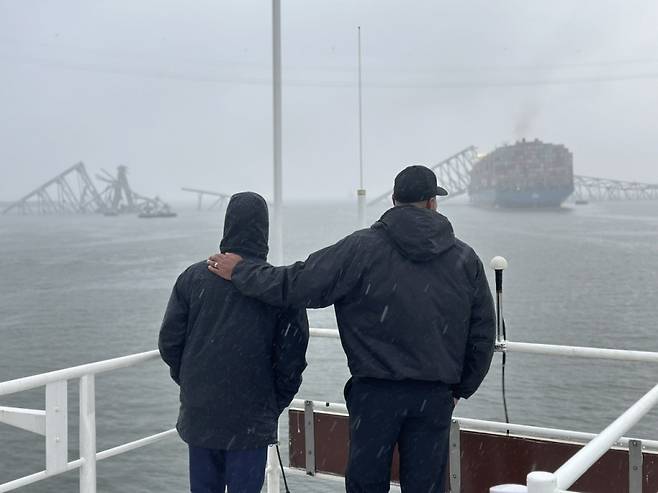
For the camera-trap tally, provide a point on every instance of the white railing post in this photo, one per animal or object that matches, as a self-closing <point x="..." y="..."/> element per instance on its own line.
<point x="542" y="482"/>
<point x="87" y="434"/>
<point x="57" y="437"/>
<point x="272" y="470"/>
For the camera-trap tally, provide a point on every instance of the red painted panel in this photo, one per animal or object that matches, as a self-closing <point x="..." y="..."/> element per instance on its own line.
<point x="487" y="459"/>
<point x="331" y="443"/>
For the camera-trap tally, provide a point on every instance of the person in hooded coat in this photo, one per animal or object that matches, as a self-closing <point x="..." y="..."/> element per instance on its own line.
<point x="417" y="323"/>
<point x="238" y="361"/>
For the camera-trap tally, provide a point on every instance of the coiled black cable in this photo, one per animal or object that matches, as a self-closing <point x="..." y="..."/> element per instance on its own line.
<point x="503" y="377"/>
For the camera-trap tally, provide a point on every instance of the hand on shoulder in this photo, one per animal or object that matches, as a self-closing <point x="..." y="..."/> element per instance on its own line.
<point x="223" y="264"/>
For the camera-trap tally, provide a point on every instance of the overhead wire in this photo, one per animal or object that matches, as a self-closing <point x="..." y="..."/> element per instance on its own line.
<point x="379" y="82"/>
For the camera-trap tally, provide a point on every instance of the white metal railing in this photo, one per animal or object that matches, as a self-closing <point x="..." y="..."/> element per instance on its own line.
<point x="52" y="422"/>
<point x="581" y="461"/>
<point x="579" y="352"/>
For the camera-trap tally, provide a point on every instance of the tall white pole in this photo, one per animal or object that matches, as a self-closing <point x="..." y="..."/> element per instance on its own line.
<point x="277" y="226"/>
<point x="361" y="192"/>
<point x="272" y="470"/>
<point x="360" y="115"/>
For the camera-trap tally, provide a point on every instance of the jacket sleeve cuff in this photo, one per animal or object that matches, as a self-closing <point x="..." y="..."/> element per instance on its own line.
<point x="459" y="393"/>
<point x="175" y="376"/>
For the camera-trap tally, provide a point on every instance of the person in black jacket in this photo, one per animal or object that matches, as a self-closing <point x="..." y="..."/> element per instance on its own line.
<point x="238" y="361"/>
<point x="417" y="323"/>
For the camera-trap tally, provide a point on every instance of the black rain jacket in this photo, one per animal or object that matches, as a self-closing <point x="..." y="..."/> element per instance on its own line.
<point x="411" y="300"/>
<point x="238" y="361"/>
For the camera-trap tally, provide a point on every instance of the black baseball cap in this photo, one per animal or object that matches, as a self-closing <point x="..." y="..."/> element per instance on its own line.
<point x="416" y="183"/>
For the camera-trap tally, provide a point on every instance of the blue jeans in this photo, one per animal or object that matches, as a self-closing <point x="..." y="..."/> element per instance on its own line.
<point x="211" y="471"/>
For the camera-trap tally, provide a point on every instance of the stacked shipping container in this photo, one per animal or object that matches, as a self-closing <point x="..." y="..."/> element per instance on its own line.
<point x="525" y="174"/>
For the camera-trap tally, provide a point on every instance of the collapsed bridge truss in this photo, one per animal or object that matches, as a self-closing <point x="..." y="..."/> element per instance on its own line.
<point x="74" y="192"/>
<point x="597" y="189"/>
<point x="453" y="173"/>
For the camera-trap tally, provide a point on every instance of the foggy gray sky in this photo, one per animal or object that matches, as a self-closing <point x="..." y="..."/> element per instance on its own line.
<point x="180" y="91"/>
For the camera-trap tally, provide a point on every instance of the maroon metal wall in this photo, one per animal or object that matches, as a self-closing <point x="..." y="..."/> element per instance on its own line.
<point x="487" y="459"/>
<point x="331" y="443"/>
<point x="502" y="459"/>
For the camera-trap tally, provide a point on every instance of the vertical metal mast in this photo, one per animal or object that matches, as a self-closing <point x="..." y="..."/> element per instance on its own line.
<point x="277" y="230"/>
<point x="361" y="192"/>
<point x="360" y="116"/>
<point x="273" y="478"/>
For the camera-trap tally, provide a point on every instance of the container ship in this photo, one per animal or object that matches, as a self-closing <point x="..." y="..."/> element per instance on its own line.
<point x="525" y="174"/>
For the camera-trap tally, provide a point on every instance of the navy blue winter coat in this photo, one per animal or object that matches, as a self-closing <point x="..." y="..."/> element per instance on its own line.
<point x="238" y="361"/>
<point x="411" y="300"/>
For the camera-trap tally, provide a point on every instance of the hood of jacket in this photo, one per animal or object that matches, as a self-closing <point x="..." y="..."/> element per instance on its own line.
<point x="419" y="234"/>
<point x="246" y="226"/>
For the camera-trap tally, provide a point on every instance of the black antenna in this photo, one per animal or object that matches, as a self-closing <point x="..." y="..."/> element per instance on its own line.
<point x="499" y="264"/>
